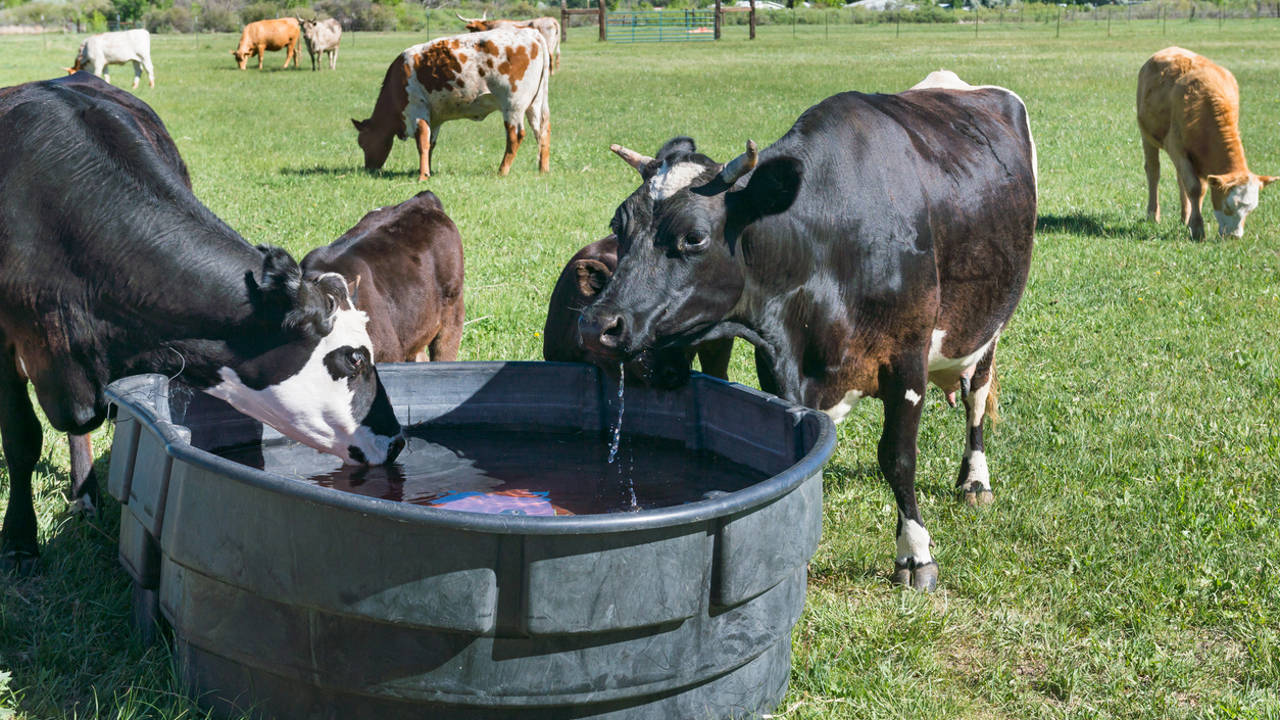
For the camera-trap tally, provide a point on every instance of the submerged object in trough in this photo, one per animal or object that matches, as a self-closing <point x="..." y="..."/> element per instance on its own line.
<point x="301" y="601"/>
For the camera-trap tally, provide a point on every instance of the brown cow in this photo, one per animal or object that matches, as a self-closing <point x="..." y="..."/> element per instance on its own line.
<point x="548" y="26"/>
<point x="464" y="76"/>
<point x="403" y="265"/>
<point x="581" y="280"/>
<point x="1191" y="107"/>
<point x="263" y="35"/>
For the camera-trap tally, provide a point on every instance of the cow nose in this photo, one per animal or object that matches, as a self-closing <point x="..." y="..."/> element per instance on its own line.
<point x="611" y="331"/>
<point x="397" y="446"/>
<point x="603" y="332"/>
<point x="357" y="454"/>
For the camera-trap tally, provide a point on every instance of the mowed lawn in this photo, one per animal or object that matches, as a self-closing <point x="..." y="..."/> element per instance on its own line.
<point x="1129" y="566"/>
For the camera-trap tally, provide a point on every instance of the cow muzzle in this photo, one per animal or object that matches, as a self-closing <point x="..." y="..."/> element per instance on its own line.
<point x="604" y="334"/>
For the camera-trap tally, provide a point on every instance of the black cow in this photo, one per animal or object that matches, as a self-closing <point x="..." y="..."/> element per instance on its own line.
<point x="109" y="266"/>
<point x="880" y="244"/>
<point x="580" y="282"/>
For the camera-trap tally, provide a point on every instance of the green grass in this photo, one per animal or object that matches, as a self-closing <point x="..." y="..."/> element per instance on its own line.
<point x="1128" y="568"/>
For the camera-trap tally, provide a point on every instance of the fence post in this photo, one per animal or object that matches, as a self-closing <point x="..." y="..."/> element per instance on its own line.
<point x="1058" y="32"/>
<point x="717" y="23"/>
<point x="899" y="30"/>
<point x="753" y="20"/>
<point x="1164" y="23"/>
<point x="793" y="20"/>
<point x="827" y="17"/>
<point x="564" y="22"/>
<point x="1108" y="22"/>
<point x="603" y="34"/>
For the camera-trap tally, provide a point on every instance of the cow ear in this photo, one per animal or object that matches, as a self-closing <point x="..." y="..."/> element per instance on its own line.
<point x="1268" y="179"/>
<point x="592" y="276"/>
<point x="360" y="124"/>
<point x="353" y="290"/>
<point x="772" y="188"/>
<point x="1219" y="182"/>
<point x="280" y="272"/>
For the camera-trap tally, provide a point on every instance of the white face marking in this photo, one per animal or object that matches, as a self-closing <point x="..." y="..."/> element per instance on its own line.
<point x="670" y="180"/>
<point x="310" y="406"/>
<point x="912" y="396"/>
<point x="913" y="543"/>
<point x="1240" y="201"/>
<point x="842" y="408"/>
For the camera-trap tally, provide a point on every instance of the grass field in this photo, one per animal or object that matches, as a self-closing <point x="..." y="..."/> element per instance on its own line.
<point x="1129" y="566"/>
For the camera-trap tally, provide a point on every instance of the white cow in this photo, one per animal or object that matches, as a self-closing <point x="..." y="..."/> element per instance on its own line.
<point x="116" y="48"/>
<point x="322" y="36"/>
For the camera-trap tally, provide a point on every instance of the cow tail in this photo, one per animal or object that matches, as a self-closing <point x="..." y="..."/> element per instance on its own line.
<point x="993" y="403"/>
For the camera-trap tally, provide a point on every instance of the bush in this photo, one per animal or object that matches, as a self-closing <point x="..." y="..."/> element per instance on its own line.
<point x="219" y="19"/>
<point x="260" y="11"/>
<point x="174" y="19"/>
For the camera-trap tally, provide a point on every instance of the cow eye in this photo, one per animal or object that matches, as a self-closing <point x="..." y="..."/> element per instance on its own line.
<point x="356" y="359"/>
<point x="694" y="243"/>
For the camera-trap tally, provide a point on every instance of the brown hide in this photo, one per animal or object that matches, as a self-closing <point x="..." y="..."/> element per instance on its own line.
<point x="404" y="264"/>
<point x="268" y="35"/>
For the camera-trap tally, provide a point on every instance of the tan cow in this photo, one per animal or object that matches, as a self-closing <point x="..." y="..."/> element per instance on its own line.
<point x="464" y="76"/>
<point x="549" y="27"/>
<point x="322" y="36"/>
<point x="1191" y="107"/>
<point x="263" y="35"/>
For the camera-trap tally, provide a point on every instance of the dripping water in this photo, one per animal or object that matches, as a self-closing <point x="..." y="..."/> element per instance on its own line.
<point x="625" y="476"/>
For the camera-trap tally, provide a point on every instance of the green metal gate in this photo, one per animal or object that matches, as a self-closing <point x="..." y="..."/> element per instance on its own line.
<point x="662" y="26"/>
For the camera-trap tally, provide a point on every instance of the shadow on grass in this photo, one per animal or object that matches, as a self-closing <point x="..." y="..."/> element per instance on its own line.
<point x="1094" y="226"/>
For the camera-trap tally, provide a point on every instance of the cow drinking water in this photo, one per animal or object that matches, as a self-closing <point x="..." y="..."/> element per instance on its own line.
<point x="881" y="244"/>
<point x="109" y="267"/>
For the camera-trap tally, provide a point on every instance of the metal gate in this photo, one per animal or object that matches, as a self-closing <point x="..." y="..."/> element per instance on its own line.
<point x="662" y="26"/>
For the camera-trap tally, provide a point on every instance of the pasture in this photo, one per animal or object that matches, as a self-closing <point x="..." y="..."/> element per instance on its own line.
<point x="1128" y="568"/>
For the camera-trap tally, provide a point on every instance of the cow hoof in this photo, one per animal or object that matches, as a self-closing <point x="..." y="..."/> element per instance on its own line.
<point x="20" y="563"/>
<point x="921" y="577"/>
<point x="422" y="177"/>
<point x="83" y="507"/>
<point x="978" y="496"/>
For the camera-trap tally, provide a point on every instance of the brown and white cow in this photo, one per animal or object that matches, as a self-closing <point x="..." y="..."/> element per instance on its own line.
<point x="464" y="76"/>
<point x="1190" y="106"/>
<point x="403" y="266"/>
<point x="580" y="282"/>
<point x="322" y="36"/>
<point x="548" y="26"/>
<point x="259" y="37"/>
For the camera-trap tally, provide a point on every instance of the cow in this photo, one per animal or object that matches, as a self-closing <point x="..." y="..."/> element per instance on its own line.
<point x="881" y="244"/>
<point x="548" y="26"/>
<point x="464" y="76"/>
<point x="403" y="266"/>
<point x="116" y="48"/>
<point x="580" y="282"/>
<point x="259" y="37"/>
<point x="322" y="36"/>
<point x="110" y="266"/>
<point x="1190" y="106"/>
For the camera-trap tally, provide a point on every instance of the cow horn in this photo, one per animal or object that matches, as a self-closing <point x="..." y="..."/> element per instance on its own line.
<point x="633" y="158"/>
<point x="741" y="165"/>
<point x="464" y="20"/>
<point x="484" y="15"/>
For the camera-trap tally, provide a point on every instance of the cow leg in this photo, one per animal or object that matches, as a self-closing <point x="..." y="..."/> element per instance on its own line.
<point x="444" y="346"/>
<point x="515" y="134"/>
<point x="902" y="390"/>
<point x="137" y="73"/>
<point x="151" y="72"/>
<point x="974" y="480"/>
<point x="539" y="117"/>
<point x="424" y="150"/>
<point x="262" y="55"/>
<point x="22" y="440"/>
<point x="333" y="59"/>
<point x="1192" y="198"/>
<point x="1151" y="163"/>
<point x="714" y="357"/>
<point x="84" y="481"/>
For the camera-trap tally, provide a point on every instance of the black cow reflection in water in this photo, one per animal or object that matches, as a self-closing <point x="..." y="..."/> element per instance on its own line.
<point x="517" y="473"/>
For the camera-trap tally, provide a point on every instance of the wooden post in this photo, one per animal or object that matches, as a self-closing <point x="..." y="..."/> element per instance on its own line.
<point x="564" y="22"/>
<point x="1058" y="31"/>
<point x="1108" y="22"/>
<point x="603" y="33"/>
<point x="717" y="22"/>
<point x="753" y="20"/>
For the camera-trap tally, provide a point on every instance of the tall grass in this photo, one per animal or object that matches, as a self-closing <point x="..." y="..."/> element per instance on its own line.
<point x="1128" y="568"/>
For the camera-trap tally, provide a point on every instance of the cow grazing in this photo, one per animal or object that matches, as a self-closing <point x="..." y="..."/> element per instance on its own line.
<point x="464" y="76"/>
<point x="109" y="267"/>
<point x="116" y="48"/>
<point x="881" y="244"/>
<point x="1191" y="107"/>
<point x="322" y="36"/>
<point x="259" y="37"/>
<point x="580" y="282"/>
<point x="403" y="265"/>
<point x="548" y="26"/>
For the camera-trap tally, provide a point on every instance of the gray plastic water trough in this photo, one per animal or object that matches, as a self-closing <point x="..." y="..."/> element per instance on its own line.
<point x="297" y="601"/>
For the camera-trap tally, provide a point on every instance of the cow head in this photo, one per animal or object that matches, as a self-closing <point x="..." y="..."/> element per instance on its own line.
<point x="680" y="267"/>
<point x="82" y="60"/>
<point x="309" y="373"/>
<point x="241" y="56"/>
<point x="479" y="24"/>
<point x="1234" y="197"/>
<point x="375" y="143"/>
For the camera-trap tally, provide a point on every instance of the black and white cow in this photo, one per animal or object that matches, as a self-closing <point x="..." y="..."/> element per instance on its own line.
<point x="109" y="266"/>
<point x="881" y="244"/>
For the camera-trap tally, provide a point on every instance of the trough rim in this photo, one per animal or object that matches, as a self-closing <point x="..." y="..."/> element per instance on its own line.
<point x="746" y="500"/>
